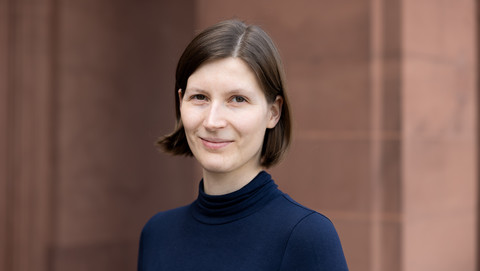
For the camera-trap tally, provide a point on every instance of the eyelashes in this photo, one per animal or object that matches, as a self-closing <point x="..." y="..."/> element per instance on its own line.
<point x="198" y="97"/>
<point x="201" y="98"/>
<point x="239" y="99"/>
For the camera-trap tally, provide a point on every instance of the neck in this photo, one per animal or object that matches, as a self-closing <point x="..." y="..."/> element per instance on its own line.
<point x="215" y="183"/>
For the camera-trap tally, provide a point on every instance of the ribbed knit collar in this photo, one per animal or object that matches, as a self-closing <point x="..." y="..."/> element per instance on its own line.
<point x="226" y="208"/>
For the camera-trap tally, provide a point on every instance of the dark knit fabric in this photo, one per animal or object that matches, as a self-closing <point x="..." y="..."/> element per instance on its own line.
<point x="255" y="228"/>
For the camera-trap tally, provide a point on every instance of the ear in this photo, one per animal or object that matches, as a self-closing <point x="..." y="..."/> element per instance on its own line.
<point x="275" y="112"/>
<point x="180" y="97"/>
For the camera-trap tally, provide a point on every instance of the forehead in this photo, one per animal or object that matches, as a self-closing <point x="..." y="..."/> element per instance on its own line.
<point x="224" y="73"/>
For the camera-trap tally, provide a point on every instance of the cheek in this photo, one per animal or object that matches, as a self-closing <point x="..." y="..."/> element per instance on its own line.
<point x="252" y="124"/>
<point x="189" y="118"/>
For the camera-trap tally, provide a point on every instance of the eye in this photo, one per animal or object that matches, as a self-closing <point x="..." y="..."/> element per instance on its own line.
<point x="238" y="99"/>
<point x="198" y="97"/>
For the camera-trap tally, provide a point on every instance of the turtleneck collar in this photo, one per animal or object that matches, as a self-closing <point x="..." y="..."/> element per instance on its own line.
<point x="221" y="209"/>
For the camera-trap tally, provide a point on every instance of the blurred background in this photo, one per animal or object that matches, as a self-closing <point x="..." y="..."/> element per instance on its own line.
<point x="385" y="104"/>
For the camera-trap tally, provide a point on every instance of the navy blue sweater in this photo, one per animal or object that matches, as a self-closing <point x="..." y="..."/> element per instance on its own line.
<point x="255" y="228"/>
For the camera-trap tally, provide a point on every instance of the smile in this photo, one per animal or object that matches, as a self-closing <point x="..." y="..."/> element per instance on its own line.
<point x="215" y="143"/>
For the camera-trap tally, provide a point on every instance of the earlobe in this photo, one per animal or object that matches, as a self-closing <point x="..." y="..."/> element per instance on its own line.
<point x="275" y="112"/>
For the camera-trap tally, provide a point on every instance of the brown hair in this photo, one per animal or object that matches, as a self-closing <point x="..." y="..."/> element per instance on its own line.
<point x="250" y="43"/>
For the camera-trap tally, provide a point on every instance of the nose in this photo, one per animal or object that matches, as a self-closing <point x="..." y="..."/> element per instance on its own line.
<point x="215" y="117"/>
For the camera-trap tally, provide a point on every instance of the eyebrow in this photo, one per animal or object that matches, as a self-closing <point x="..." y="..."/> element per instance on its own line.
<point x="231" y="91"/>
<point x="195" y="89"/>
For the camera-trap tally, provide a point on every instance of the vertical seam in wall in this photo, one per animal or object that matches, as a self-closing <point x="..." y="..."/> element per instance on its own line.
<point x="29" y="124"/>
<point x="477" y="70"/>
<point x="376" y="53"/>
<point x="53" y="133"/>
<point x="400" y="129"/>
<point x="9" y="144"/>
<point x="10" y="193"/>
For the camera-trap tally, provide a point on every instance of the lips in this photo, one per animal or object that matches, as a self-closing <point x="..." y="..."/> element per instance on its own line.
<point x="215" y="143"/>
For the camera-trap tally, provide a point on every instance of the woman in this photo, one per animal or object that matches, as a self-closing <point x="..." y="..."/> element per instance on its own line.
<point x="233" y="117"/>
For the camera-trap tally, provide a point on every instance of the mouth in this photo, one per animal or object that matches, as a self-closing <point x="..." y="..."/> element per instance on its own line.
<point x="215" y="143"/>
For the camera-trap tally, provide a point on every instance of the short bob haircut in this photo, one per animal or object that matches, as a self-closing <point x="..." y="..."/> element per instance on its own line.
<point x="233" y="38"/>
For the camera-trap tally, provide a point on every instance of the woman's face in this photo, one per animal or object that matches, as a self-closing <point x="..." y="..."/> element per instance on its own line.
<point x="225" y="115"/>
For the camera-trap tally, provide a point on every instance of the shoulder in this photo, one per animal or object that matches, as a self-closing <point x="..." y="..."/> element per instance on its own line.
<point x="316" y="229"/>
<point x="289" y="209"/>
<point x="313" y="244"/>
<point x="158" y="231"/>
<point x="308" y="224"/>
<point x="166" y="219"/>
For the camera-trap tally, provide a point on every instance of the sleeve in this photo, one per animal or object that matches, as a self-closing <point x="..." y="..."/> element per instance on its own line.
<point x="145" y="249"/>
<point x="148" y="239"/>
<point x="314" y="245"/>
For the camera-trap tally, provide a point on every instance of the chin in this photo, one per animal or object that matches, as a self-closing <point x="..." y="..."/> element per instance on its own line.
<point x="216" y="163"/>
<point x="215" y="168"/>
